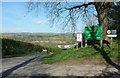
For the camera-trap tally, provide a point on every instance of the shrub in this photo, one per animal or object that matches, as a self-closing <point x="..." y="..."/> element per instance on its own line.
<point x="15" y="48"/>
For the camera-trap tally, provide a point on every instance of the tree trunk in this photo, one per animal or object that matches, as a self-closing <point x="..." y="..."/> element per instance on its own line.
<point x="101" y="8"/>
<point x="104" y="23"/>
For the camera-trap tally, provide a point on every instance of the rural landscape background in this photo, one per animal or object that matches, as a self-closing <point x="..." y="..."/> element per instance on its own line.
<point x="42" y="42"/>
<point x="17" y="44"/>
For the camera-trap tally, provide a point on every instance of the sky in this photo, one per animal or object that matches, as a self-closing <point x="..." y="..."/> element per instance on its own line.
<point x="16" y="19"/>
<point x="0" y="17"/>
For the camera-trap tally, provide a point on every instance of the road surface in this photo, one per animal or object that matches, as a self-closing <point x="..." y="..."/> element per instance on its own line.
<point x="11" y="64"/>
<point x="34" y="68"/>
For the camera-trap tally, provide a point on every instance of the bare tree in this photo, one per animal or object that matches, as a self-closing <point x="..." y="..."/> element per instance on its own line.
<point x="79" y="10"/>
<point x="69" y="13"/>
<point x="91" y="20"/>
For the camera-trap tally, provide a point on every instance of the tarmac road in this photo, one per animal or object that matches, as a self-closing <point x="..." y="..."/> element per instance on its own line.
<point x="11" y="64"/>
<point x="31" y="67"/>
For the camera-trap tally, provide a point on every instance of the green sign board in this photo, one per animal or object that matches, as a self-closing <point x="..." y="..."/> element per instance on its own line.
<point x="93" y="33"/>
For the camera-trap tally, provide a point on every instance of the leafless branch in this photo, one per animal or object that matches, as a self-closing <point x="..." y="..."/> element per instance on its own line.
<point x="79" y="6"/>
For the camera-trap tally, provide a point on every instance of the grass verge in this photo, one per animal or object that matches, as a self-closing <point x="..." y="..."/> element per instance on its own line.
<point x="60" y="55"/>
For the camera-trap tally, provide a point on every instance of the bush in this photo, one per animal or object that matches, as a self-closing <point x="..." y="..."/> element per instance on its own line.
<point x="16" y="48"/>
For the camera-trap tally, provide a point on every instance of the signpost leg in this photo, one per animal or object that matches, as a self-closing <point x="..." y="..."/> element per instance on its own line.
<point x="77" y="45"/>
<point x="85" y="43"/>
<point x="81" y="44"/>
<point x="101" y="43"/>
<point x="111" y="41"/>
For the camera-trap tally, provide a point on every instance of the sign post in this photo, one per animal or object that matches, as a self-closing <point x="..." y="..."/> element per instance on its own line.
<point x="93" y="33"/>
<point x="85" y="43"/>
<point x="111" y="34"/>
<point x="79" y="39"/>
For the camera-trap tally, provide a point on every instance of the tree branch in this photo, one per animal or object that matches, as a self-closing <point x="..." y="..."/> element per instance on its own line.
<point x="79" y="6"/>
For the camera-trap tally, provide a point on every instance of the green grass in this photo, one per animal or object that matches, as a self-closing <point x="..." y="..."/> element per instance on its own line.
<point x="72" y="54"/>
<point x="114" y="52"/>
<point x="12" y="48"/>
<point x="35" y="54"/>
<point x="87" y="52"/>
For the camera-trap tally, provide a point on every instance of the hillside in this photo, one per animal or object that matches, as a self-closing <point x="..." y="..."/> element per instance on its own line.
<point x="44" y="39"/>
<point x="17" y="48"/>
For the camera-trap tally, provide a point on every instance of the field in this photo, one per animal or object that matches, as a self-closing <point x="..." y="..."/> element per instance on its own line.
<point x="44" y="39"/>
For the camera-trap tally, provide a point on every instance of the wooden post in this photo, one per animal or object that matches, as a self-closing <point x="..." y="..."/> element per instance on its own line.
<point x="85" y="43"/>
<point x="81" y="43"/>
<point x="111" y="39"/>
<point x="77" y="45"/>
<point x="101" y="43"/>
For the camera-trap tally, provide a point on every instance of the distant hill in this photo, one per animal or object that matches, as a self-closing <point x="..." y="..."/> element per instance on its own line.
<point x="44" y="39"/>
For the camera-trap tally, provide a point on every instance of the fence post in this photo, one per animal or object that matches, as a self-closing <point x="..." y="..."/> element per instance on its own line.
<point x="85" y="43"/>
